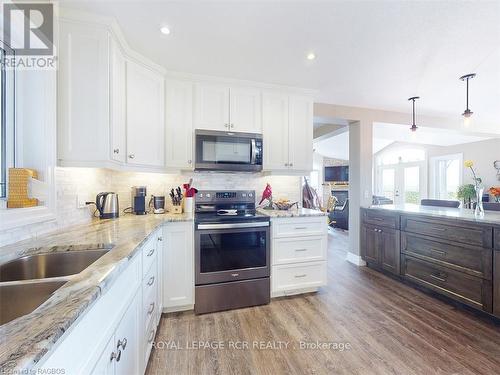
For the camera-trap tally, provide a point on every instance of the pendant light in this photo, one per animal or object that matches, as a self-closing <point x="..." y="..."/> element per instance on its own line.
<point x="414" y="127"/>
<point x="467" y="113"/>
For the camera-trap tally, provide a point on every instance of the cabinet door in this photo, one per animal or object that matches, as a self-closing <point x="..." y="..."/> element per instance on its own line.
<point x="118" y="103"/>
<point x="370" y="244"/>
<point x="160" y="245"/>
<point x="300" y="133"/>
<point x="246" y="114"/>
<point x="389" y="247"/>
<point x="211" y="109"/>
<point x="275" y="131"/>
<point x="127" y="339"/>
<point x="106" y="363"/>
<point x="145" y="116"/>
<point x="179" y="125"/>
<point x="83" y="93"/>
<point x="178" y="266"/>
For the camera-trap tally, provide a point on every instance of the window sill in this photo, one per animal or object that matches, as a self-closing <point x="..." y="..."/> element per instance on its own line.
<point x="18" y="217"/>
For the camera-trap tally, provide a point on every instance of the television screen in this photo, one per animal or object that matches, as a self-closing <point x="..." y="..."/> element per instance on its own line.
<point x="336" y="174"/>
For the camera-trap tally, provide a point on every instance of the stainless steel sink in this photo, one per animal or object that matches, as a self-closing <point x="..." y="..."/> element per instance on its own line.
<point x="20" y="299"/>
<point x="42" y="266"/>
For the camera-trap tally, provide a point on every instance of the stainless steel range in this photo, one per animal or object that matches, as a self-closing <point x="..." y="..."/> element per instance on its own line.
<point x="232" y="259"/>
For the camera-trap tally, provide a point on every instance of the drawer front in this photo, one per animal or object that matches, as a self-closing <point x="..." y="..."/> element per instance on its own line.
<point x="476" y="261"/>
<point x="470" y="290"/>
<point x="299" y="249"/>
<point x="300" y="226"/>
<point x="149" y="337"/>
<point x="380" y="218"/>
<point x="497" y="238"/>
<point x="470" y="234"/>
<point x="149" y="253"/>
<point x="496" y="283"/>
<point x="149" y="295"/>
<point x="298" y="276"/>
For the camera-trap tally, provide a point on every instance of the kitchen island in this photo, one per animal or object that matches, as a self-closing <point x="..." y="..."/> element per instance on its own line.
<point x="449" y="251"/>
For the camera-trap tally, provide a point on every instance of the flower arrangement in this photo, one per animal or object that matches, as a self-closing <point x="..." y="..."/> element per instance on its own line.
<point x="478" y="187"/>
<point x="495" y="191"/>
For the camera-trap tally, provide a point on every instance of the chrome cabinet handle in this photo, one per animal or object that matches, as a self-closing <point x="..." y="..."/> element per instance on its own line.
<point x="377" y="230"/>
<point x="160" y="238"/>
<point x="286" y="164"/>
<point x="122" y="343"/>
<point x="300" y="276"/>
<point x="443" y="279"/>
<point x="226" y="125"/>
<point x="116" y="151"/>
<point x="190" y="161"/>
<point x="231" y="126"/>
<point x="235" y="274"/>
<point x="300" y="249"/>
<point x="131" y="156"/>
<point x="290" y="165"/>
<point x="151" y="336"/>
<point x="151" y="308"/>
<point x="300" y="228"/>
<point x="116" y="356"/>
<point x="151" y="280"/>
<point x="440" y="252"/>
<point x="151" y="252"/>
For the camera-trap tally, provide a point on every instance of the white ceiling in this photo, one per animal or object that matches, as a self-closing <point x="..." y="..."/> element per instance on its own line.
<point x="372" y="54"/>
<point x="384" y="134"/>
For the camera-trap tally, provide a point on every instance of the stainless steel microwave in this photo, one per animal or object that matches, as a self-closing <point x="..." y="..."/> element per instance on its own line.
<point x="228" y="151"/>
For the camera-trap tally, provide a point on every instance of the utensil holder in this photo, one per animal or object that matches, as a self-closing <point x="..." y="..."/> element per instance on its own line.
<point x="188" y="204"/>
<point x="177" y="209"/>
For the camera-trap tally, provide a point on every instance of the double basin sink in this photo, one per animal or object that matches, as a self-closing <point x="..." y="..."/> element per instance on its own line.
<point x="27" y="282"/>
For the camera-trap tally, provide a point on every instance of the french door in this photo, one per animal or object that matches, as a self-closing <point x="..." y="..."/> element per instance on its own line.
<point x="403" y="182"/>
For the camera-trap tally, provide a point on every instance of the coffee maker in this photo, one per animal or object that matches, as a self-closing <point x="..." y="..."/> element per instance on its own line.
<point x="139" y="200"/>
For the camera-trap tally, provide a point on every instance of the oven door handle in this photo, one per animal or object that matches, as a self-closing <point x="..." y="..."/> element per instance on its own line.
<point x="254" y="151"/>
<point x="234" y="225"/>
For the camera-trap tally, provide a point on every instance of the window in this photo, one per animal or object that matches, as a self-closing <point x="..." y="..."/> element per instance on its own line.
<point x="6" y="122"/>
<point x="446" y="173"/>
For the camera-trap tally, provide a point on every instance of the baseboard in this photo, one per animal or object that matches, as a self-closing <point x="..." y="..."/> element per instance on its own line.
<point x="355" y="259"/>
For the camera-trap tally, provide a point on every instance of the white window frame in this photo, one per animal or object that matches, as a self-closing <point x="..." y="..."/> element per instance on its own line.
<point x="432" y="169"/>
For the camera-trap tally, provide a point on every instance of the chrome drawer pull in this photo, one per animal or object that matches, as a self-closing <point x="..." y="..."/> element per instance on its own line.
<point x="116" y="356"/>
<point x="151" y="336"/>
<point x="441" y="252"/>
<point x="151" y="280"/>
<point x="235" y="274"/>
<point x="151" y="252"/>
<point x="300" y="228"/>
<point x="122" y="343"/>
<point x="439" y="278"/>
<point x="300" y="249"/>
<point x="151" y="308"/>
<point x="299" y="276"/>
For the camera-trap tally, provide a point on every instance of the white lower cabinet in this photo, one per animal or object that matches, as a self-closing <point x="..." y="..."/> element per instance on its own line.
<point x="178" y="267"/>
<point x="298" y="255"/>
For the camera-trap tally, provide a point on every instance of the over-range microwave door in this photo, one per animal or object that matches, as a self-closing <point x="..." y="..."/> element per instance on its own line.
<point x="228" y="151"/>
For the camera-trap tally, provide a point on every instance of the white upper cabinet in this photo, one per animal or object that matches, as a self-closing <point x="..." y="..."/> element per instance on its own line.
<point x="145" y="116"/>
<point x="83" y="93"/>
<point x="219" y="107"/>
<point x="179" y="125"/>
<point x="288" y="132"/>
<point x="275" y="131"/>
<point x="211" y="110"/>
<point x="118" y="103"/>
<point x="300" y="133"/>
<point x="245" y="110"/>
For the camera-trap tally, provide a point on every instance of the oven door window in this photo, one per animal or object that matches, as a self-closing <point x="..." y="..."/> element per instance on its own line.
<point x="232" y="251"/>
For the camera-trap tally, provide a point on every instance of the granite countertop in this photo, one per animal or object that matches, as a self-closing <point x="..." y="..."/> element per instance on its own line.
<point x="294" y="212"/>
<point x="461" y="214"/>
<point x="25" y="340"/>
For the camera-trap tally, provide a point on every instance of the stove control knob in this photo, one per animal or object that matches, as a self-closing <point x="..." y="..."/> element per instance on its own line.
<point x="244" y="195"/>
<point x="201" y="195"/>
<point x="250" y="195"/>
<point x="208" y="195"/>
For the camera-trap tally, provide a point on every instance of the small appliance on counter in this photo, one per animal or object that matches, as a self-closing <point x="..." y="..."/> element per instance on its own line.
<point x="139" y="200"/>
<point x="107" y="205"/>
<point x="158" y="204"/>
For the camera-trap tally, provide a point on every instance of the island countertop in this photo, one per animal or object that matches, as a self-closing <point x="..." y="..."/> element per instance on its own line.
<point x="461" y="214"/>
<point x="25" y="340"/>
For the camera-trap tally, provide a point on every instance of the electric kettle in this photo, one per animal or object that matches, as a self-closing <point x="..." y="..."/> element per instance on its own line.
<point x="107" y="205"/>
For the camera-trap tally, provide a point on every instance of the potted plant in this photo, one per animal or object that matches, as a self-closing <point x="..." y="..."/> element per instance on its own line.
<point x="466" y="193"/>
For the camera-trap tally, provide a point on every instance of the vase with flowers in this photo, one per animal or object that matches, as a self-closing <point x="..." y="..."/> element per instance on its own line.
<point x="495" y="191"/>
<point x="478" y="187"/>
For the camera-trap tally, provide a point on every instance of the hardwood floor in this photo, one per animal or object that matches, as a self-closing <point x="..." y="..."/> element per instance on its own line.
<point x="382" y="326"/>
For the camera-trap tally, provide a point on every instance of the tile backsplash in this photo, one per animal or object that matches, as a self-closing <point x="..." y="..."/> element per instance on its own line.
<point x="87" y="182"/>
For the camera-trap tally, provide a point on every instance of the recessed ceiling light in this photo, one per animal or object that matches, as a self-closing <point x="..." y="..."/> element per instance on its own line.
<point x="165" y="30"/>
<point x="311" y="56"/>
